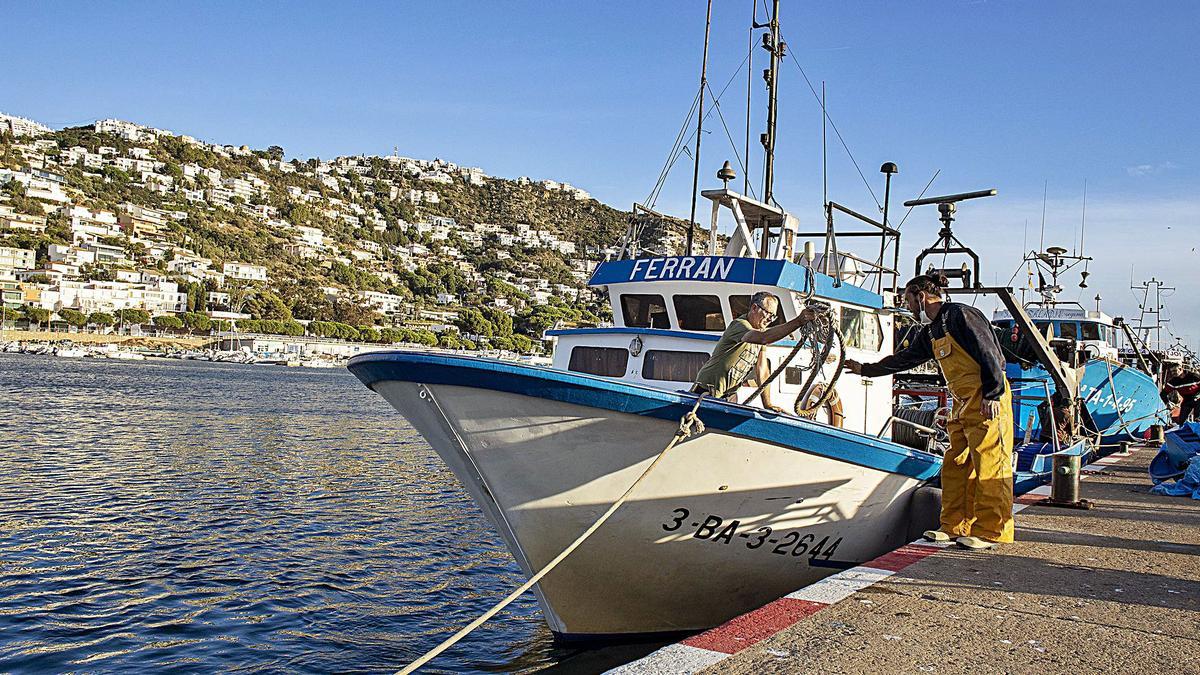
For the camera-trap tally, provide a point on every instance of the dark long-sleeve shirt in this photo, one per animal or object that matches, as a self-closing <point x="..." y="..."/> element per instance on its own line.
<point x="970" y="329"/>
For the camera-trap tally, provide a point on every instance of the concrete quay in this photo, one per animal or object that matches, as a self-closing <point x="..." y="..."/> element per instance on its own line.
<point x="1113" y="589"/>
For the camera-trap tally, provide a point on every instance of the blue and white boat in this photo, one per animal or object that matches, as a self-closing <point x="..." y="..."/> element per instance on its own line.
<point x="1121" y="401"/>
<point x="756" y="506"/>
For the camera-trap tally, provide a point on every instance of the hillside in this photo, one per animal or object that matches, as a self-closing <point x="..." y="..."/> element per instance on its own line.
<point x="361" y="241"/>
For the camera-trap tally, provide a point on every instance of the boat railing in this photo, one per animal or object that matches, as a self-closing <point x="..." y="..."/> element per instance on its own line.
<point x="833" y="257"/>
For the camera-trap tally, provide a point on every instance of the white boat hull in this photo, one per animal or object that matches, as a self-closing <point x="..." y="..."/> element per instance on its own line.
<point x="724" y="524"/>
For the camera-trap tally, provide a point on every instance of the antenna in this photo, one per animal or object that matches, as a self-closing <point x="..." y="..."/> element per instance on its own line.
<point x="699" y="130"/>
<point x="1042" y="239"/>
<point x="824" y="152"/>
<point x="749" y="81"/>
<point x="772" y="44"/>
<point x="1083" y="219"/>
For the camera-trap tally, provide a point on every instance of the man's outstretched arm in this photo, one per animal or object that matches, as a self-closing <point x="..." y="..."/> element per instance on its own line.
<point x="774" y="334"/>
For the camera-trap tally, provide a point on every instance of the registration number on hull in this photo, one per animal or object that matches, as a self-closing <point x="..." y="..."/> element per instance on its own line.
<point x="719" y="530"/>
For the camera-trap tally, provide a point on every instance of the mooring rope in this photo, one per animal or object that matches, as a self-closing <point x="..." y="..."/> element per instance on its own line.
<point x="689" y="425"/>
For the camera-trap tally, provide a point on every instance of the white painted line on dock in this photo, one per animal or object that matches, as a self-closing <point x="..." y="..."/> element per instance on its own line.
<point x="717" y="644"/>
<point x="678" y="658"/>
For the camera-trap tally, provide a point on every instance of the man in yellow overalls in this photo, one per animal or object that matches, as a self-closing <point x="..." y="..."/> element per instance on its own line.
<point x="977" y="481"/>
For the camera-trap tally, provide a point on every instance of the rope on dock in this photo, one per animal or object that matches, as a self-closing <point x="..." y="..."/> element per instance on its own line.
<point x="689" y="425"/>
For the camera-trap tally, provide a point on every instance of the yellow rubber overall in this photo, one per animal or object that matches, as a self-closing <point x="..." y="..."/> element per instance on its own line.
<point x="977" y="479"/>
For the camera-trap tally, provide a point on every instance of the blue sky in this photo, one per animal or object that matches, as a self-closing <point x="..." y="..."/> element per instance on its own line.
<point x="1019" y="96"/>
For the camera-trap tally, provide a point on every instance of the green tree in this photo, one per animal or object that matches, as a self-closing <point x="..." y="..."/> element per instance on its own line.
<point x="168" y="321"/>
<point x="449" y="340"/>
<point x="132" y="316"/>
<point x="502" y="323"/>
<point x="267" y="305"/>
<point x="522" y="344"/>
<point x="472" y="322"/>
<point x="195" y="321"/>
<point x="37" y="315"/>
<point x="73" y="317"/>
<point x="100" y="319"/>
<point x="424" y="337"/>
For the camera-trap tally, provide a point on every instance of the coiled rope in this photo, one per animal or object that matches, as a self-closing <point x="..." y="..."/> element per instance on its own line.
<point x="689" y="425"/>
<point x="820" y="331"/>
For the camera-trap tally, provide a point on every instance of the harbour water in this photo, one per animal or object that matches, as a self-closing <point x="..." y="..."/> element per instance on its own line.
<point x="206" y="517"/>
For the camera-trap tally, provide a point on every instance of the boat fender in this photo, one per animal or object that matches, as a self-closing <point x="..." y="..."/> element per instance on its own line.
<point x="832" y="406"/>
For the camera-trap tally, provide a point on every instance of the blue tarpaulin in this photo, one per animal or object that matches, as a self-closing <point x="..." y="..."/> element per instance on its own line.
<point x="1188" y="485"/>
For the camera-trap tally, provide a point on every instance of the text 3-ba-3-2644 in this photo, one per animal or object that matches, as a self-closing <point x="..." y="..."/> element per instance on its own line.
<point x="717" y="529"/>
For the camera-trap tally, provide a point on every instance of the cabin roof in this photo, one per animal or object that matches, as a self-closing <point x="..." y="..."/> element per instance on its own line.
<point x="686" y="270"/>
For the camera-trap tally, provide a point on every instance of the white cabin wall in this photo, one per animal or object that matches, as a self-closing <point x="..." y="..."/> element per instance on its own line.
<point x="866" y="402"/>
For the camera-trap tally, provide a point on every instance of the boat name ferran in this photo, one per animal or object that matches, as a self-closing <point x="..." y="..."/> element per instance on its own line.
<point x="700" y="268"/>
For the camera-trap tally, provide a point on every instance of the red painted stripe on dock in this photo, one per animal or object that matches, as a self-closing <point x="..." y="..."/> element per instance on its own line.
<point x="754" y="627"/>
<point x="901" y="557"/>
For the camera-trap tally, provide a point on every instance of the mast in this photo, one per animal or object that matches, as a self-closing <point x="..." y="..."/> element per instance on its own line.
<point x="772" y="44"/>
<point x="699" y="129"/>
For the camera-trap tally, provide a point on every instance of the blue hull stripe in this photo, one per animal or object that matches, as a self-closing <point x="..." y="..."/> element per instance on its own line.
<point x="598" y="392"/>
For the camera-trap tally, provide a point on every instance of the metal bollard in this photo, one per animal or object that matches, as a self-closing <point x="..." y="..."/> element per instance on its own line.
<point x="1064" y="483"/>
<point x="1157" y="436"/>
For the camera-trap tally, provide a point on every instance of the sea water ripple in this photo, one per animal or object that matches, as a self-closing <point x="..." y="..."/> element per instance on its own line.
<point x="199" y="517"/>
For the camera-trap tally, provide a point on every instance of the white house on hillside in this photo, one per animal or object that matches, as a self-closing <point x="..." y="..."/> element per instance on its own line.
<point x="246" y="271"/>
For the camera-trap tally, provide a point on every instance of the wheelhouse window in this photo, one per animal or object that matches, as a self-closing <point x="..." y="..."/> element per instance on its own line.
<point x="659" y="364"/>
<point x="861" y="330"/>
<point x="1068" y="330"/>
<point x="740" y="304"/>
<point x="606" y="361"/>
<point x="1091" y="331"/>
<point x="644" y="311"/>
<point x="699" y="312"/>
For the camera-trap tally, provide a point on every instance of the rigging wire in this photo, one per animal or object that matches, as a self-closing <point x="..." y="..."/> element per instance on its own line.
<point x="923" y="190"/>
<point x="672" y="155"/>
<point x="834" y="126"/>
<point x="732" y="144"/>
<point x="680" y="147"/>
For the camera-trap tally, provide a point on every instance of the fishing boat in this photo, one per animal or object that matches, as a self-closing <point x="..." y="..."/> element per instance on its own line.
<point x="1121" y="397"/>
<point x="758" y="504"/>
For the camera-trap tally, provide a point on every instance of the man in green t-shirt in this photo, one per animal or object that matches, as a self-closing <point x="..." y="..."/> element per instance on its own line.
<point x="739" y="354"/>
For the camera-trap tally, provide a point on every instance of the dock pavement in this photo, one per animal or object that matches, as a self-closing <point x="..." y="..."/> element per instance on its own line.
<point x="1112" y="589"/>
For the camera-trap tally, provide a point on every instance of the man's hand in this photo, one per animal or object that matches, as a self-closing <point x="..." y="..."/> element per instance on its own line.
<point x="853" y="366"/>
<point x="808" y="314"/>
<point x="989" y="409"/>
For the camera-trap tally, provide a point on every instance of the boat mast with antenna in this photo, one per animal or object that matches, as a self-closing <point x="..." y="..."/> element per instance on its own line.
<point x="691" y="233"/>
<point x="1150" y="319"/>
<point x="771" y="43"/>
